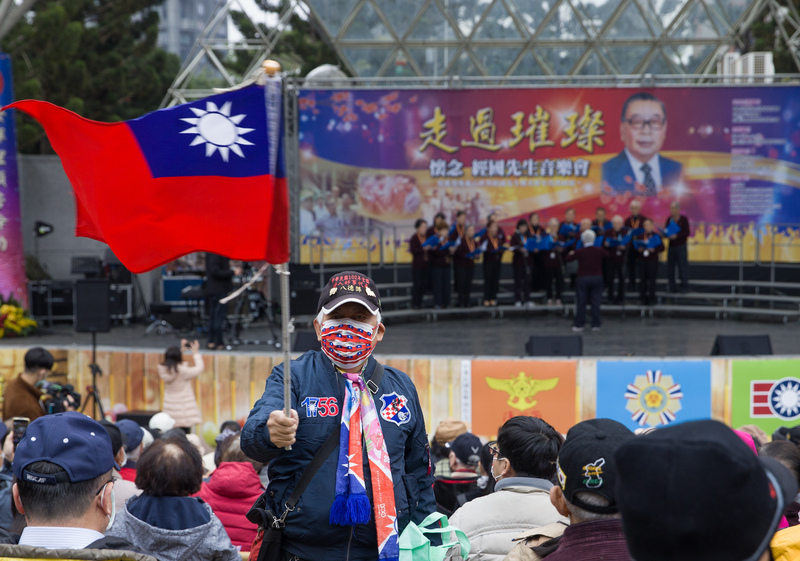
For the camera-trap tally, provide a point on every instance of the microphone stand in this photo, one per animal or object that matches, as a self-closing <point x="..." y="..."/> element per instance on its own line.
<point x="96" y="371"/>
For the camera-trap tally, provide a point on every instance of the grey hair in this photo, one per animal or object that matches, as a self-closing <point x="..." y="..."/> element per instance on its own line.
<point x="578" y="515"/>
<point x="618" y="218"/>
<point x="588" y="237"/>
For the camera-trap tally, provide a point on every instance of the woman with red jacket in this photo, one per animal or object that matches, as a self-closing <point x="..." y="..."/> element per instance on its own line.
<point x="231" y="491"/>
<point x="492" y="259"/>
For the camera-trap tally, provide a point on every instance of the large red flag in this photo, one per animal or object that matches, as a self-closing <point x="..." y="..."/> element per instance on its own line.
<point x="203" y="176"/>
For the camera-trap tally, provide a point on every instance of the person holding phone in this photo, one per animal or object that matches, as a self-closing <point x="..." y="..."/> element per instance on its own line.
<point x="179" y="399"/>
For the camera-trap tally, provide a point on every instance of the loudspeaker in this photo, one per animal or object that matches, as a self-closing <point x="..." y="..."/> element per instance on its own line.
<point x="92" y="306"/>
<point x="306" y="341"/>
<point x="554" y="345"/>
<point x="738" y="345"/>
<point x="142" y="418"/>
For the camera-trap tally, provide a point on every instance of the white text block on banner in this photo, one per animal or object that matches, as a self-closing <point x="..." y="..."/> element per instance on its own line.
<point x="466" y="391"/>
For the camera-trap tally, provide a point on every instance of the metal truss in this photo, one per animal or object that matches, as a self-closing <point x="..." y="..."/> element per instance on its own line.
<point x="210" y="63"/>
<point x="405" y="38"/>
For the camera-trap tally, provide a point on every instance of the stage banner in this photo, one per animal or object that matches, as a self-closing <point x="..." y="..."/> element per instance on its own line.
<point x="765" y="393"/>
<point x="12" y="254"/>
<point x="374" y="161"/>
<point x="502" y="389"/>
<point x="653" y="393"/>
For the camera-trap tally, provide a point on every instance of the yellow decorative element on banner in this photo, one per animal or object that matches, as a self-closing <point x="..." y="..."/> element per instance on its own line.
<point x="522" y="389"/>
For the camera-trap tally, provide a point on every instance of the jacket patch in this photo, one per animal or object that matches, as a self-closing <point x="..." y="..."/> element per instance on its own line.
<point x="394" y="408"/>
<point x="321" y="406"/>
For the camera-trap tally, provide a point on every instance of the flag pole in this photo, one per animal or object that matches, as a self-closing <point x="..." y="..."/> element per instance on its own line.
<point x="271" y="69"/>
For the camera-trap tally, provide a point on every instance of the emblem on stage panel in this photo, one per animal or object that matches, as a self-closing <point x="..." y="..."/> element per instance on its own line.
<point x="653" y="399"/>
<point x="395" y="409"/>
<point x="521" y="389"/>
<point x="779" y="398"/>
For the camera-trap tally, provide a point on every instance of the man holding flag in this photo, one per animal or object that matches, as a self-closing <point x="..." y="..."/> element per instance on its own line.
<point x="379" y="477"/>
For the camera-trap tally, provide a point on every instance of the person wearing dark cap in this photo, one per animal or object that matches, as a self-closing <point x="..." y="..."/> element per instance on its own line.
<point x="132" y="438"/>
<point x="22" y="394"/>
<point x="524" y="465"/>
<point x="123" y="489"/>
<point x="585" y="494"/>
<point x="463" y="477"/>
<point x="697" y="491"/>
<point x="375" y="410"/>
<point x="64" y="487"/>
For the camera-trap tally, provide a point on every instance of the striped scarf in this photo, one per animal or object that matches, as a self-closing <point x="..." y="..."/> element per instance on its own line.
<point x="351" y="505"/>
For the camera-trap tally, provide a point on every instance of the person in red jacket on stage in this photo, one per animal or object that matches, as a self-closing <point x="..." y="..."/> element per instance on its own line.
<point x="553" y="271"/>
<point x="520" y="265"/>
<point x="648" y="264"/>
<point x="231" y="491"/>
<point x="536" y="258"/>
<point x="615" y="262"/>
<point x="634" y="222"/>
<point x="419" y="263"/>
<point x="677" y="255"/>
<point x="464" y="266"/>
<point x="492" y="260"/>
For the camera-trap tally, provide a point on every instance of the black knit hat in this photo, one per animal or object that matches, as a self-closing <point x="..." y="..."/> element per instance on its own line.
<point x="696" y="492"/>
<point x="586" y="462"/>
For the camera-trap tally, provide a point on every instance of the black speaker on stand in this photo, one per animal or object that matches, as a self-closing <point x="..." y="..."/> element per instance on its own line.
<point x="93" y="315"/>
<point x="741" y="345"/>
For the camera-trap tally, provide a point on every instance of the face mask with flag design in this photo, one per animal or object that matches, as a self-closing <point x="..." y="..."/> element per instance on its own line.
<point x="352" y="505"/>
<point x="347" y="342"/>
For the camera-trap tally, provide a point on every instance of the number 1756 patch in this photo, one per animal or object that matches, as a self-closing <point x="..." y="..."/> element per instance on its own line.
<point x="321" y="406"/>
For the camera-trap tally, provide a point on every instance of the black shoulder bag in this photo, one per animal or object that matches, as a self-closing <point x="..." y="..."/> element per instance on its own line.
<point x="267" y="545"/>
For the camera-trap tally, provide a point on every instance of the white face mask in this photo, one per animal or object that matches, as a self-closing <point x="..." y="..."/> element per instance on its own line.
<point x="496" y="477"/>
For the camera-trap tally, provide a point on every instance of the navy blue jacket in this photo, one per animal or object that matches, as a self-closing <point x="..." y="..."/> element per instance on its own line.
<point x="618" y="173"/>
<point x="308" y="534"/>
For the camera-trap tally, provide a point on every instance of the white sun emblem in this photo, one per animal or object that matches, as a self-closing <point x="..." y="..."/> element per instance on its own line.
<point x="785" y="398"/>
<point x="218" y="130"/>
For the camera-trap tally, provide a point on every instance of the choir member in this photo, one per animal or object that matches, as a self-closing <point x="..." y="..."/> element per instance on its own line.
<point x="520" y="265"/>
<point x="464" y="266"/>
<point x="648" y="265"/>
<point x="492" y="259"/>
<point x="419" y="262"/>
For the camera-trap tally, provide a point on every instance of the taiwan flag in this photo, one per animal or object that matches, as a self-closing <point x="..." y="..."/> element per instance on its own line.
<point x="202" y="176"/>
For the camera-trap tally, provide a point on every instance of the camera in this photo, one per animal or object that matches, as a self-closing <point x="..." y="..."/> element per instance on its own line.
<point x="56" y="395"/>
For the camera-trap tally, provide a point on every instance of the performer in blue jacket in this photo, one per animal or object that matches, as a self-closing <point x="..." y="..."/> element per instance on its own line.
<point x="383" y="473"/>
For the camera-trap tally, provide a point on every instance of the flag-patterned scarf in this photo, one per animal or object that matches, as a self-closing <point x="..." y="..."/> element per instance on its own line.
<point x="351" y="505"/>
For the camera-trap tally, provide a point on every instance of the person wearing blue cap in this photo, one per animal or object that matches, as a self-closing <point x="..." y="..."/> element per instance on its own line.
<point x="132" y="438"/>
<point x="65" y="489"/>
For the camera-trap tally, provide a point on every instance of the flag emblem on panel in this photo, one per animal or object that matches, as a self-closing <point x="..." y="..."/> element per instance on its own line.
<point x="653" y="399"/>
<point x="769" y="398"/>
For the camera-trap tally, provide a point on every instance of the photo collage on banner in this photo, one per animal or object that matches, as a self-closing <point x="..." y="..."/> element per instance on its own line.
<point x="373" y="161"/>
<point x="505" y="389"/>
<point x="765" y="393"/>
<point x="653" y="393"/>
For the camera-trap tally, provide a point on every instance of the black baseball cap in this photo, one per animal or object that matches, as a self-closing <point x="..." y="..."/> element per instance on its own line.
<point x="696" y="492"/>
<point x="586" y="462"/>
<point x="349" y="286"/>
<point x="132" y="433"/>
<point x="71" y="440"/>
<point x="467" y="448"/>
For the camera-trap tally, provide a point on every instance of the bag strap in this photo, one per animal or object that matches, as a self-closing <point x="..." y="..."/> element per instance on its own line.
<point x="329" y="446"/>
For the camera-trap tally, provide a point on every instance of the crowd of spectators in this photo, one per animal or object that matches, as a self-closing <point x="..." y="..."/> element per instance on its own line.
<point x="598" y="256"/>
<point x="75" y="488"/>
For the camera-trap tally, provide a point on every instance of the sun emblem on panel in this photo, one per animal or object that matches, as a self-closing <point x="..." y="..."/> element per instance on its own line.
<point x="218" y="130"/>
<point x="653" y="399"/>
<point x="784" y="398"/>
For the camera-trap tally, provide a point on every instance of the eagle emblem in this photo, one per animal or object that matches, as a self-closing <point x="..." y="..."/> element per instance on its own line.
<point x="521" y="389"/>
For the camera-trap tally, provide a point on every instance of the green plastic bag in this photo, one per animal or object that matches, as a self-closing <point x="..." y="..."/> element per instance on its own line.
<point x="415" y="546"/>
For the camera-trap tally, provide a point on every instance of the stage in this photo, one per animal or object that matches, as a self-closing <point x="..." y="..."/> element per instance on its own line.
<point x="630" y="336"/>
